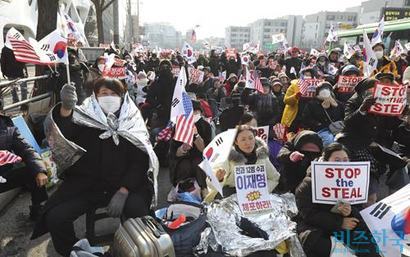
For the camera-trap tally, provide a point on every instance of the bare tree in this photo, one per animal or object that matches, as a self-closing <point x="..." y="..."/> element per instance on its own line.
<point x="46" y="23"/>
<point x="100" y="7"/>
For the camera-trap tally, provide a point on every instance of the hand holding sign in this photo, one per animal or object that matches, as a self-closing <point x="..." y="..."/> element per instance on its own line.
<point x="350" y="223"/>
<point x="345" y="209"/>
<point x="367" y="103"/>
<point x="336" y="181"/>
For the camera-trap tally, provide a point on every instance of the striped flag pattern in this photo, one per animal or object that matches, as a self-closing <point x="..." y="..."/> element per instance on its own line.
<point x="7" y="157"/>
<point x="303" y="86"/>
<point x="258" y="83"/>
<point x="23" y="51"/>
<point x="184" y="128"/>
<point x="165" y="134"/>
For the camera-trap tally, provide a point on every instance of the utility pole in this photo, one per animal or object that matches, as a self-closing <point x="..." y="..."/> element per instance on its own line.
<point x="138" y="21"/>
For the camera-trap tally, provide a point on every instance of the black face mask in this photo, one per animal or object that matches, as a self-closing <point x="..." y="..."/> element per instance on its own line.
<point x="310" y="155"/>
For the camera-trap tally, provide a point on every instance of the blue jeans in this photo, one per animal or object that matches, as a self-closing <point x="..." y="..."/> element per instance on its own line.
<point x="326" y="136"/>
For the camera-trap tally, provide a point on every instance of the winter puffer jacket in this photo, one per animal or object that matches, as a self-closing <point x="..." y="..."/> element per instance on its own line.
<point x="236" y="158"/>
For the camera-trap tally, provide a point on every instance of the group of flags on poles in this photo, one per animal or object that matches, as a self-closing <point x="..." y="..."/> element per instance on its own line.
<point x="51" y="49"/>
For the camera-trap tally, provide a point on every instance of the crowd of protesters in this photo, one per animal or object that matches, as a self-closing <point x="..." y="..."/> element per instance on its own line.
<point x="332" y="125"/>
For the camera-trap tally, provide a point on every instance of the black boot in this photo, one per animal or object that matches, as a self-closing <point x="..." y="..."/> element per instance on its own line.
<point x="35" y="211"/>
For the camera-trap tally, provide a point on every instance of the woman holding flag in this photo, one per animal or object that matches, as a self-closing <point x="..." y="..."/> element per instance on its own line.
<point x="247" y="150"/>
<point x="117" y="168"/>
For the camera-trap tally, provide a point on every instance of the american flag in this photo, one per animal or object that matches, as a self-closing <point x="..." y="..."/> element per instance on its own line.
<point x="184" y="128"/>
<point x="258" y="83"/>
<point x="25" y="52"/>
<point x="303" y="86"/>
<point x="165" y="134"/>
<point x="7" y="157"/>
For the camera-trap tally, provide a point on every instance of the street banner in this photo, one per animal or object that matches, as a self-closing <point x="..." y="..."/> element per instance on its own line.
<point x="252" y="188"/>
<point x="389" y="222"/>
<point x="307" y="87"/>
<point x="340" y="181"/>
<point x="346" y="84"/>
<point x="390" y="100"/>
<point x="263" y="133"/>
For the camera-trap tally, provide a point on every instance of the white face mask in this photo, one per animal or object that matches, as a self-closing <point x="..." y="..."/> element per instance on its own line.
<point x="325" y="93"/>
<point x="322" y="63"/>
<point x="197" y="116"/>
<point x="110" y="104"/>
<point x="379" y="54"/>
<point x="101" y="67"/>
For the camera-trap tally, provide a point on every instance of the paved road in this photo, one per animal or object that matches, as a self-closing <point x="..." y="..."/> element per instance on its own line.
<point x="15" y="229"/>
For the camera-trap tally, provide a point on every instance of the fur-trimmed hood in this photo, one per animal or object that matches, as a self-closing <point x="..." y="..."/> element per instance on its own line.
<point x="262" y="152"/>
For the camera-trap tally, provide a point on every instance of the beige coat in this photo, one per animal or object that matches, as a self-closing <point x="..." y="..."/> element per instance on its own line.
<point x="236" y="158"/>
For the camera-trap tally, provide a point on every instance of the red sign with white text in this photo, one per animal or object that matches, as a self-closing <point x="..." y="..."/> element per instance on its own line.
<point x="390" y="100"/>
<point x="346" y="84"/>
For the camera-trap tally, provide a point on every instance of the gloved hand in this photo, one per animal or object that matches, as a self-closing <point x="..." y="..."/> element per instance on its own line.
<point x="117" y="204"/>
<point x="367" y="103"/>
<point x="68" y="96"/>
<point x="296" y="156"/>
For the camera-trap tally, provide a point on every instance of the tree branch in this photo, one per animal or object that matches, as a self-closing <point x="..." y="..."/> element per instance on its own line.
<point x="108" y="4"/>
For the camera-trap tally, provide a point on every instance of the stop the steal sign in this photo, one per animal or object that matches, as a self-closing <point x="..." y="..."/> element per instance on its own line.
<point x="340" y="181"/>
<point x="390" y="100"/>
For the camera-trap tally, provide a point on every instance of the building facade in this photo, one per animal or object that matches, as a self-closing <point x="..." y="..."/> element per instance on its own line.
<point x="162" y="35"/>
<point x="316" y="26"/>
<point x="370" y="11"/>
<point x="236" y="36"/>
<point x="262" y="30"/>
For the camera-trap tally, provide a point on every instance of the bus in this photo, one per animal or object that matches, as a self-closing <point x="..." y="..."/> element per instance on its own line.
<point x="393" y="30"/>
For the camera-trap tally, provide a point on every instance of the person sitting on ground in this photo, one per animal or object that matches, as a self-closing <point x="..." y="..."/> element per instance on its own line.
<point x="384" y="64"/>
<point x="14" y="148"/>
<point x="295" y="157"/>
<point x="114" y="172"/>
<point x="247" y="150"/>
<point x="294" y="102"/>
<point x="318" y="222"/>
<point x="264" y="105"/>
<point x="364" y="130"/>
<point x="322" y="111"/>
<point x="184" y="159"/>
<point x="278" y="92"/>
<point x="230" y="117"/>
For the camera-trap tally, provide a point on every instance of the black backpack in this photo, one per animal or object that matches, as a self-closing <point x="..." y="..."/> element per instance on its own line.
<point x="9" y="66"/>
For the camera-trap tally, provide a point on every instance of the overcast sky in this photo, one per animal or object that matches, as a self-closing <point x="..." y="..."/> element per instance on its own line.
<point x="214" y="15"/>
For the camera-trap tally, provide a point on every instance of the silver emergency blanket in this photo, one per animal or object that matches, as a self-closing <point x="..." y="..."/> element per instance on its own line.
<point x="130" y="125"/>
<point x="223" y="215"/>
